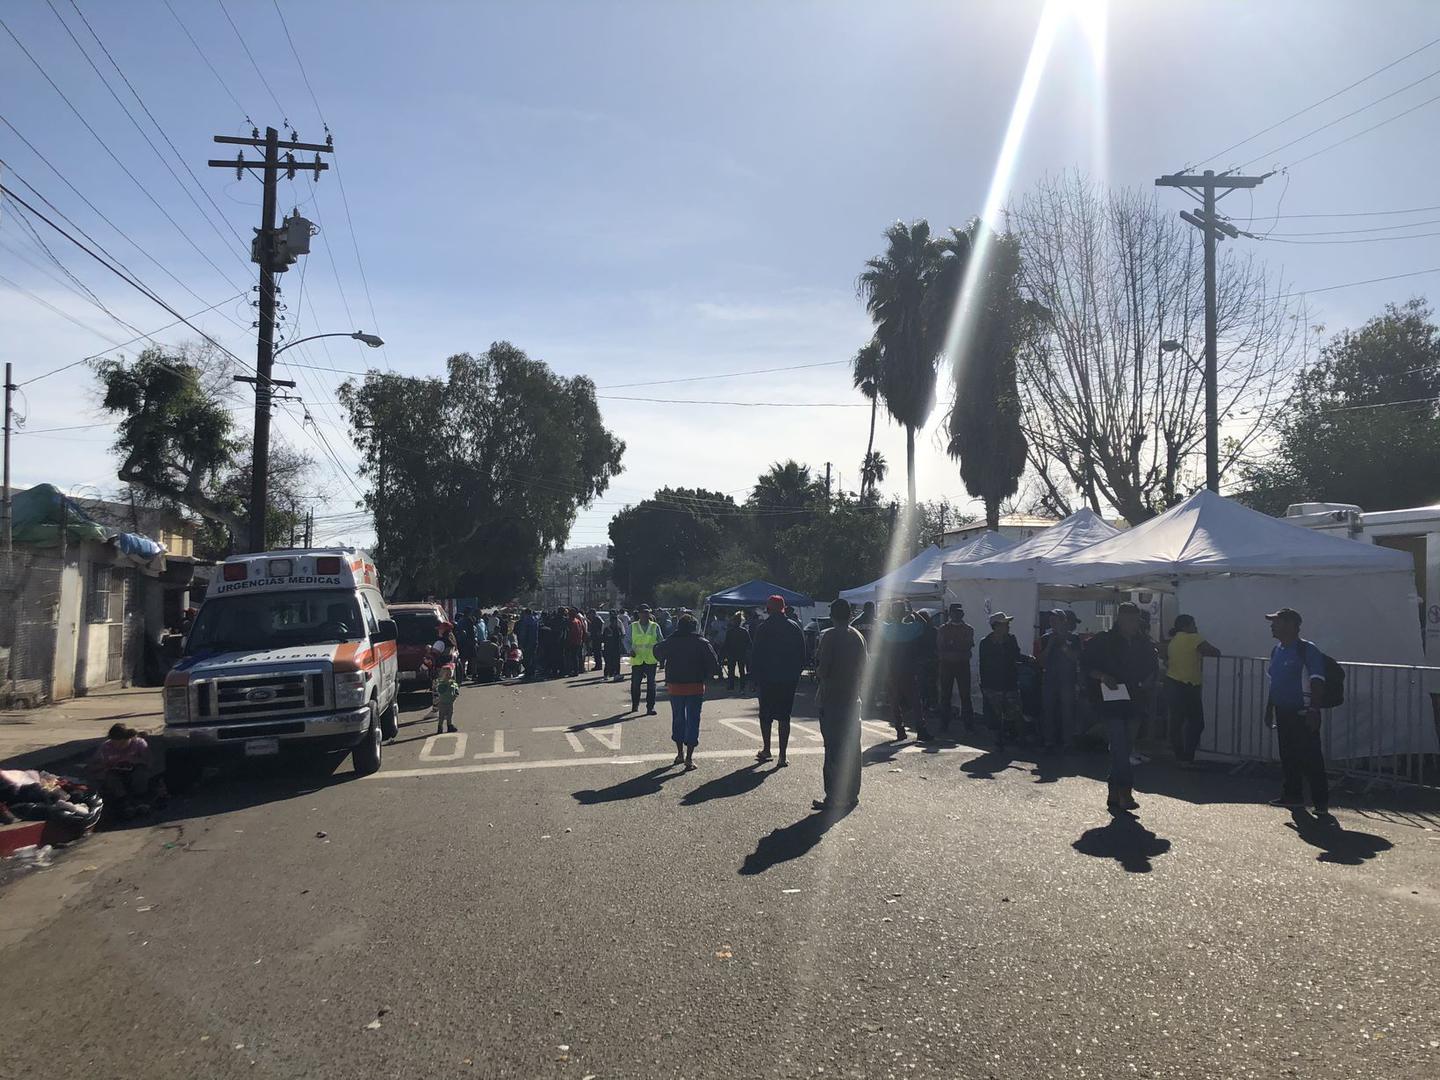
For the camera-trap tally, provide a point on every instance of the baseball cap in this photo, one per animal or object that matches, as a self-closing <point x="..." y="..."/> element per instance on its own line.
<point x="999" y="617"/>
<point x="1288" y="614"/>
<point x="1128" y="606"/>
<point x="775" y="603"/>
<point x="645" y="607"/>
<point x="957" y="607"/>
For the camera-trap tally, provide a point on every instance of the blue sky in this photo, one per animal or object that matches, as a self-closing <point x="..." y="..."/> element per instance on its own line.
<point x="632" y="190"/>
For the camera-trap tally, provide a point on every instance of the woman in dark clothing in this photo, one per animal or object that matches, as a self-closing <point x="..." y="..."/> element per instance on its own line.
<point x="737" y="652"/>
<point x="612" y="640"/>
<point x="689" y="662"/>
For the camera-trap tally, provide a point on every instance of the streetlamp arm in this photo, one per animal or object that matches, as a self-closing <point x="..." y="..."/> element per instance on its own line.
<point x="359" y="335"/>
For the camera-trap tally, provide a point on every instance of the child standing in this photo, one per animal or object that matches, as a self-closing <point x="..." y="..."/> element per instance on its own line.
<point x="446" y="691"/>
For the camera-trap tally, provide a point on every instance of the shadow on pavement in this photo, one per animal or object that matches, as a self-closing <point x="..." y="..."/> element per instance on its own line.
<point x="647" y="783"/>
<point x="986" y="765"/>
<point x="744" y="779"/>
<point x="606" y="721"/>
<point x="882" y="752"/>
<point x="1126" y="841"/>
<point x="63" y="757"/>
<point x="790" y="841"/>
<point x="1337" y="845"/>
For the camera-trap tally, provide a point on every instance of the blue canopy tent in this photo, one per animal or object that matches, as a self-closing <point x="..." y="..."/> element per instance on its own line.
<point x="754" y="594"/>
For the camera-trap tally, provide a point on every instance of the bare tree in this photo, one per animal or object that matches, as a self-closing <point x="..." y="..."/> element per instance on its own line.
<point x="1109" y="416"/>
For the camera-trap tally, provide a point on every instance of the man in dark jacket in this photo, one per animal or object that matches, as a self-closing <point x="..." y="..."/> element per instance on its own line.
<point x="777" y="657"/>
<point x="527" y="636"/>
<point x="689" y="661"/>
<point x="1119" y="664"/>
<point x="1000" y="678"/>
<point x="955" y="642"/>
<point x="737" y="652"/>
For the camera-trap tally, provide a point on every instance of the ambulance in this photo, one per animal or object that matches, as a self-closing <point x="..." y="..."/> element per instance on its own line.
<point x="291" y="651"/>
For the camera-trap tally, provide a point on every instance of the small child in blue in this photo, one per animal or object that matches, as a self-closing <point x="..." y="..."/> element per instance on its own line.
<point x="446" y="691"/>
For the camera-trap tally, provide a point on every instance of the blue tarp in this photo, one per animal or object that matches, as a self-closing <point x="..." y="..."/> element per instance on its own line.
<point x="754" y="594"/>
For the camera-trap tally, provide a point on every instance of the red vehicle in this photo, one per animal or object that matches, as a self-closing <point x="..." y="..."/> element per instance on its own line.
<point x="419" y="626"/>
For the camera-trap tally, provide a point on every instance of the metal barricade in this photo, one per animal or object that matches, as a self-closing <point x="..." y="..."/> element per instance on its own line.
<point x="1387" y="729"/>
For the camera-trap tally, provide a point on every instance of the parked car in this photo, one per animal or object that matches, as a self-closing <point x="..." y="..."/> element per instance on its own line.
<point x="419" y="626"/>
<point x="292" y="650"/>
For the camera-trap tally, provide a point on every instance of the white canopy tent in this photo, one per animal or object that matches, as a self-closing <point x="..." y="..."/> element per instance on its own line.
<point x="919" y="579"/>
<point x="1228" y="565"/>
<point x="1012" y="580"/>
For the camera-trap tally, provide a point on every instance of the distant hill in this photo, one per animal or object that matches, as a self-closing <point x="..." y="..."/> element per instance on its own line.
<point x="594" y="554"/>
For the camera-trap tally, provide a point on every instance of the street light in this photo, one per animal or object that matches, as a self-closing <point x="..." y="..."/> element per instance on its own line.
<point x="1171" y="345"/>
<point x="359" y="335"/>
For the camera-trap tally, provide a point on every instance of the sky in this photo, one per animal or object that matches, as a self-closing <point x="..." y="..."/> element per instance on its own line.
<point x="650" y="191"/>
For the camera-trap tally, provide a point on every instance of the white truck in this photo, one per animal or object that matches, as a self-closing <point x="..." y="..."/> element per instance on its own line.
<point x="291" y="650"/>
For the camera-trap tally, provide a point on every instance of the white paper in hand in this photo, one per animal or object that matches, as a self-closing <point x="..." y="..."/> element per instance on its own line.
<point x="1120" y="693"/>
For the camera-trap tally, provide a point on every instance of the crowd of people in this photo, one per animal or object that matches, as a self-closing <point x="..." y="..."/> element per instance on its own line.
<point x="1067" y="692"/>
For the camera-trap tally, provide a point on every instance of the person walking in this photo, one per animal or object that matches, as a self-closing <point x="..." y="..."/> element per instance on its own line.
<point x="737" y="652"/>
<point x="1297" y="691"/>
<point x="1183" y="663"/>
<point x="644" y="636"/>
<point x="954" y="645"/>
<point x="689" y="662"/>
<point x="1059" y="680"/>
<point x="1118" y="664"/>
<point x="1000" y="679"/>
<point x="839" y="671"/>
<point x="777" y="658"/>
<point x="612" y="640"/>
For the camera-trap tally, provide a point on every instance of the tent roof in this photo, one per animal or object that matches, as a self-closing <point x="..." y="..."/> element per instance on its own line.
<point x="1207" y="534"/>
<point x="903" y="581"/>
<point x="982" y="547"/>
<point x="755" y="593"/>
<point x="1078" y="531"/>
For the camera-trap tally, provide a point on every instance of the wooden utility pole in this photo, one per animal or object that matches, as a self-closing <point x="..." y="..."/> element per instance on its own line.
<point x="1204" y="187"/>
<point x="265" y="250"/>
<point x="5" y="508"/>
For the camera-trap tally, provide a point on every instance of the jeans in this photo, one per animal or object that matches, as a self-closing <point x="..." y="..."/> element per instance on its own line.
<point x="640" y="672"/>
<point x="685" y="718"/>
<point x="612" y="664"/>
<point x="1003" y="710"/>
<point x="1057" y="693"/>
<point x="1117" y="716"/>
<point x="904" y="699"/>
<point x="953" y="675"/>
<point x="445" y="717"/>
<point x="734" y="670"/>
<point x="1187" y="718"/>
<point x="1301" y="758"/>
<point x="840" y="727"/>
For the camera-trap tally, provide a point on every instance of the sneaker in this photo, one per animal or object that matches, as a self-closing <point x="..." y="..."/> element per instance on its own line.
<point x="1288" y="803"/>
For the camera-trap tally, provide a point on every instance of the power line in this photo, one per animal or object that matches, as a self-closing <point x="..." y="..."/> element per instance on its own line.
<point x="1342" y="119"/>
<point x="251" y="56"/>
<point x="1340" y="214"/>
<point x="113" y="156"/>
<point x="726" y="375"/>
<point x="1314" y="105"/>
<point x="1363" y="131"/>
<point x="1275" y="239"/>
<point x="58" y="311"/>
<point x="1364" y="229"/>
<point x="745" y="404"/>
<point x="1354" y="284"/>
<point x="213" y="70"/>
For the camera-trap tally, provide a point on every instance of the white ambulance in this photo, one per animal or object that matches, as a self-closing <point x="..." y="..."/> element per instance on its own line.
<point x="291" y="650"/>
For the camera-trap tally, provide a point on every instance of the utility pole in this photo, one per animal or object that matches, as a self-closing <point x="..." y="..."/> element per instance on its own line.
<point x="309" y="527"/>
<point x="9" y="391"/>
<point x="1204" y="186"/>
<point x="827" y="485"/>
<point x="274" y="250"/>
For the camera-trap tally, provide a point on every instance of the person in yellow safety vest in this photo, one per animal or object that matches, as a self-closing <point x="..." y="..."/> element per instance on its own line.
<point x="644" y="635"/>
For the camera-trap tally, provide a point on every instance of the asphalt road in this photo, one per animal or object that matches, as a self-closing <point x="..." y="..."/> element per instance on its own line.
<point x="543" y="896"/>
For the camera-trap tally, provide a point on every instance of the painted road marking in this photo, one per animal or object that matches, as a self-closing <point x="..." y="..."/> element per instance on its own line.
<point x="570" y="737"/>
<point x="739" y="725"/>
<point x="428" y="751"/>
<point x="626" y="759"/>
<point x="609" y="737"/>
<point x="498" y="752"/>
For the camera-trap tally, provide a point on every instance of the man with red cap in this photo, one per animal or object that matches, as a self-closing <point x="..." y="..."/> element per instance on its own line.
<point x="777" y="657"/>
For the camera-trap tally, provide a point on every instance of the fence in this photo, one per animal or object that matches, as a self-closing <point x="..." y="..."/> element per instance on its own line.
<point x="29" y="609"/>
<point x="1388" y="727"/>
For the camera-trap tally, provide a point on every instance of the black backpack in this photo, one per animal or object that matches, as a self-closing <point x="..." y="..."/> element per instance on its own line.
<point x="1334" y="678"/>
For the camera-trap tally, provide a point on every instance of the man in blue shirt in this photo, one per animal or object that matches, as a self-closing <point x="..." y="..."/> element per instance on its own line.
<point x="1297" y="686"/>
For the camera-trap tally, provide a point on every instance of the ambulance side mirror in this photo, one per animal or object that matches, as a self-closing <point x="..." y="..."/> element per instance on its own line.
<point x="387" y="631"/>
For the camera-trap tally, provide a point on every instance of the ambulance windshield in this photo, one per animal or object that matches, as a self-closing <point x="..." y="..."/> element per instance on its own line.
<point x="276" y="620"/>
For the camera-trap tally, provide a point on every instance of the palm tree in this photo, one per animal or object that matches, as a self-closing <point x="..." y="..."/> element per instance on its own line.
<point x="872" y="473"/>
<point x="785" y="486"/>
<point x="865" y="370"/>
<point x="894" y="287"/>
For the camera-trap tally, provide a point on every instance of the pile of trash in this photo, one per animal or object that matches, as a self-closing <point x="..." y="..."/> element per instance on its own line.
<point x="36" y="795"/>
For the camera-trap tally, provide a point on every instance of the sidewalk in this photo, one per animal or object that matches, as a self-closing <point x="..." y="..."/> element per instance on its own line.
<point x="37" y="738"/>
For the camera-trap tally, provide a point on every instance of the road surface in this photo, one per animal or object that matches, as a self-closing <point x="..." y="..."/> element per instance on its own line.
<point x="542" y="895"/>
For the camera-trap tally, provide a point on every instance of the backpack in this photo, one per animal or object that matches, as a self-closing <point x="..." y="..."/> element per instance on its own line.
<point x="1334" y="678"/>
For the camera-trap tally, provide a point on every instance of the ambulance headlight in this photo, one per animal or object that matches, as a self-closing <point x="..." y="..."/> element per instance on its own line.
<point x="349" y="689"/>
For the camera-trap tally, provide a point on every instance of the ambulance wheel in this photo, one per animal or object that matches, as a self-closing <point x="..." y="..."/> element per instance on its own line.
<point x="390" y="721"/>
<point x="366" y="755"/>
